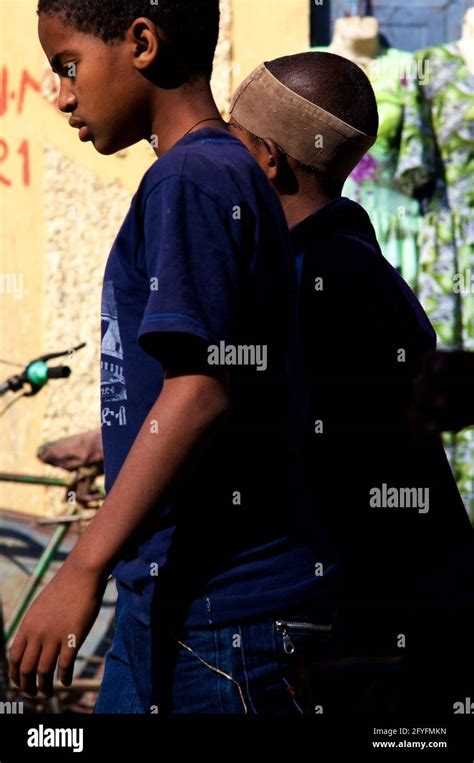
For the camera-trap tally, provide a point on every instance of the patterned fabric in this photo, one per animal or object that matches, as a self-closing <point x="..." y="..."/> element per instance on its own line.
<point x="446" y="280"/>
<point x="387" y="178"/>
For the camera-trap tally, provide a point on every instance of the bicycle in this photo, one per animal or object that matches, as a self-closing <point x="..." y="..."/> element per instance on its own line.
<point x="83" y="497"/>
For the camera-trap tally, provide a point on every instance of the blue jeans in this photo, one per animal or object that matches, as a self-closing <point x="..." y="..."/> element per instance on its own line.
<point x="255" y="667"/>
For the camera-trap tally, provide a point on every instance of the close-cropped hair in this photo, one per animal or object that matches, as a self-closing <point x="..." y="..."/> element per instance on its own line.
<point x="190" y="27"/>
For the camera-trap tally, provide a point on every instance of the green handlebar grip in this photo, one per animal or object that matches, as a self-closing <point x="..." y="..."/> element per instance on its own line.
<point x="37" y="373"/>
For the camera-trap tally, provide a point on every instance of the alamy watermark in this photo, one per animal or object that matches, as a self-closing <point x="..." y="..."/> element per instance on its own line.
<point x="238" y="355"/>
<point x="464" y="707"/>
<point x="385" y="497"/>
<point x="11" y="708"/>
<point x="410" y="69"/>
<point x="12" y="284"/>
<point x="463" y="283"/>
<point x="43" y="736"/>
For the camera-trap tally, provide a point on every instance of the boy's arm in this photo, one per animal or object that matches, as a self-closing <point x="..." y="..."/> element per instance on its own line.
<point x="59" y="620"/>
<point x="187" y="408"/>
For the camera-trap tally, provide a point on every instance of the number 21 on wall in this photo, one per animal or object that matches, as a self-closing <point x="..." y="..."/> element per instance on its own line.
<point x="24" y="152"/>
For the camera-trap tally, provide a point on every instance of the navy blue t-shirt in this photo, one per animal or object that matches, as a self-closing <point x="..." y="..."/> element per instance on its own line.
<point x="204" y="254"/>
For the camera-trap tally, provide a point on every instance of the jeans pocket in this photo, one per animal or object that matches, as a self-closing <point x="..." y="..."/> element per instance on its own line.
<point x="300" y="635"/>
<point x="303" y="646"/>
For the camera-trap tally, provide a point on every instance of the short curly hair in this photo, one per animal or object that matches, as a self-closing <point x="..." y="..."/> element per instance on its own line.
<point x="191" y="26"/>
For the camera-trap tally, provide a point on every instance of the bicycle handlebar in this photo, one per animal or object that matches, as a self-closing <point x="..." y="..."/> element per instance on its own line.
<point x="37" y="373"/>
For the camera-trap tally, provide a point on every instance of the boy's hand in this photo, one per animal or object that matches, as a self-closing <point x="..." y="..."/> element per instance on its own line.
<point x="55" y="625"/>
<point x="84" y="449"/>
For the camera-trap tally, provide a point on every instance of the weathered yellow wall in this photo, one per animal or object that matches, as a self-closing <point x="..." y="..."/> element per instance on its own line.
<point x="266" y="29"/>
<point x="61" y="207"/>
<point x="57" y="227"/>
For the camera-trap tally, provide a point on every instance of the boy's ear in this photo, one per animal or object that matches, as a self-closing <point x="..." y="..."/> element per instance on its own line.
<point x="145" y="37"/>
<point x="274" y="158"/>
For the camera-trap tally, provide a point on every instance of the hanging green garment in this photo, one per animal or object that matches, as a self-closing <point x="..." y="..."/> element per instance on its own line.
<point x="446" y="279"/>
<point x="396" y="167"/>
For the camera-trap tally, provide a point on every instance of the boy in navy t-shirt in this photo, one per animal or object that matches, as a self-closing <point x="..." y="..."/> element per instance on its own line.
<point x="204" y="526"/>
<point x="383" y="490"/>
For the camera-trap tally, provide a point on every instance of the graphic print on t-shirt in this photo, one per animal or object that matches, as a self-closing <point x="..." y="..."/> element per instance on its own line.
<point x="112" y="382"/>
